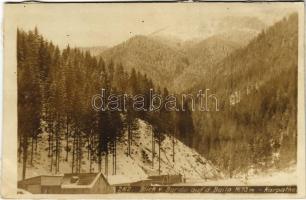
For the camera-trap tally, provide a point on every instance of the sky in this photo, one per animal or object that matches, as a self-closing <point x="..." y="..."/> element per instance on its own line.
<point x="108" y="24"/>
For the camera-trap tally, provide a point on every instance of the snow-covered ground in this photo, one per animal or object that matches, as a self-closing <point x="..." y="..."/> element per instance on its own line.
<point x="273" y="177"/>
<point x="138" y="166"/>
<point x="187" y="161"/>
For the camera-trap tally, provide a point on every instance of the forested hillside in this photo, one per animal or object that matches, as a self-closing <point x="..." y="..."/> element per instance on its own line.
<point x="147" y="55"/>
<point x="256" y="127"/>
<point x="55" y="89"/>
<point x="173" y="63"/>
<point x="202" y="57"/>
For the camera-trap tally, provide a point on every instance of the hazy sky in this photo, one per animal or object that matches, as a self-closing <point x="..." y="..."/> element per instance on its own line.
<point x="108" y="24"/>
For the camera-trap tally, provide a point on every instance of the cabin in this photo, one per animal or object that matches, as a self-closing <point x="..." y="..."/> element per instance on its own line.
<point x="40" y="184"/>
<point x="84" y="183"/>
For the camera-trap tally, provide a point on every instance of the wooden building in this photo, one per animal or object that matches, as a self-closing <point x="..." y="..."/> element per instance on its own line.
<point x="84" y="183"/>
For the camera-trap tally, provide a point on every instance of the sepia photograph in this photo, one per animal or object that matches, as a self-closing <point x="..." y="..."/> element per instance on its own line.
<point x="144" y="98"/>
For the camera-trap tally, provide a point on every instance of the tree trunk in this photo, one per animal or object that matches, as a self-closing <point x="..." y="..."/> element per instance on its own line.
<point x="77" y="152"/>
<point x="58" y="151"/>
<point x="25" y="156"/>
<point x="58" y="160"/>
<point x="80" y="151"/>
<point x="115" y="151"/>
<point x="90" y="163"/>
<point x="152" y="147"/>
<point x="73" y="151"/>
<point x="113" y="156"/>
<point x="88" y="147"/>
<point x="90" y="150"/>
<point x="100" y="152"/>
<point x="173" y="144"/>
<point x="36" y="138"/>
<point x="49" y="133"/>
<point x="106" y="163"/>
<point x="100" y="157"/>
<point x="129" y="139"/>
<point x="56" y="148"/>
<point x="51" y="166"/>
<point x="58" y="138"/>
<point x="32" y="150"/>
<point x="49" y="142"/>
<point x="159" y="152"/>
<point x="67" y="137"/>
<point x="20" y="148"/>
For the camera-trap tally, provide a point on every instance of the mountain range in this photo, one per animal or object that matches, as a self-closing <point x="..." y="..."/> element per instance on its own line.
<point x="176" y="64"/>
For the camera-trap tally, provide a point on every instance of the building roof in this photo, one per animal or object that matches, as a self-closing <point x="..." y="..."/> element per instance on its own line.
<point x="84" y="180"/>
